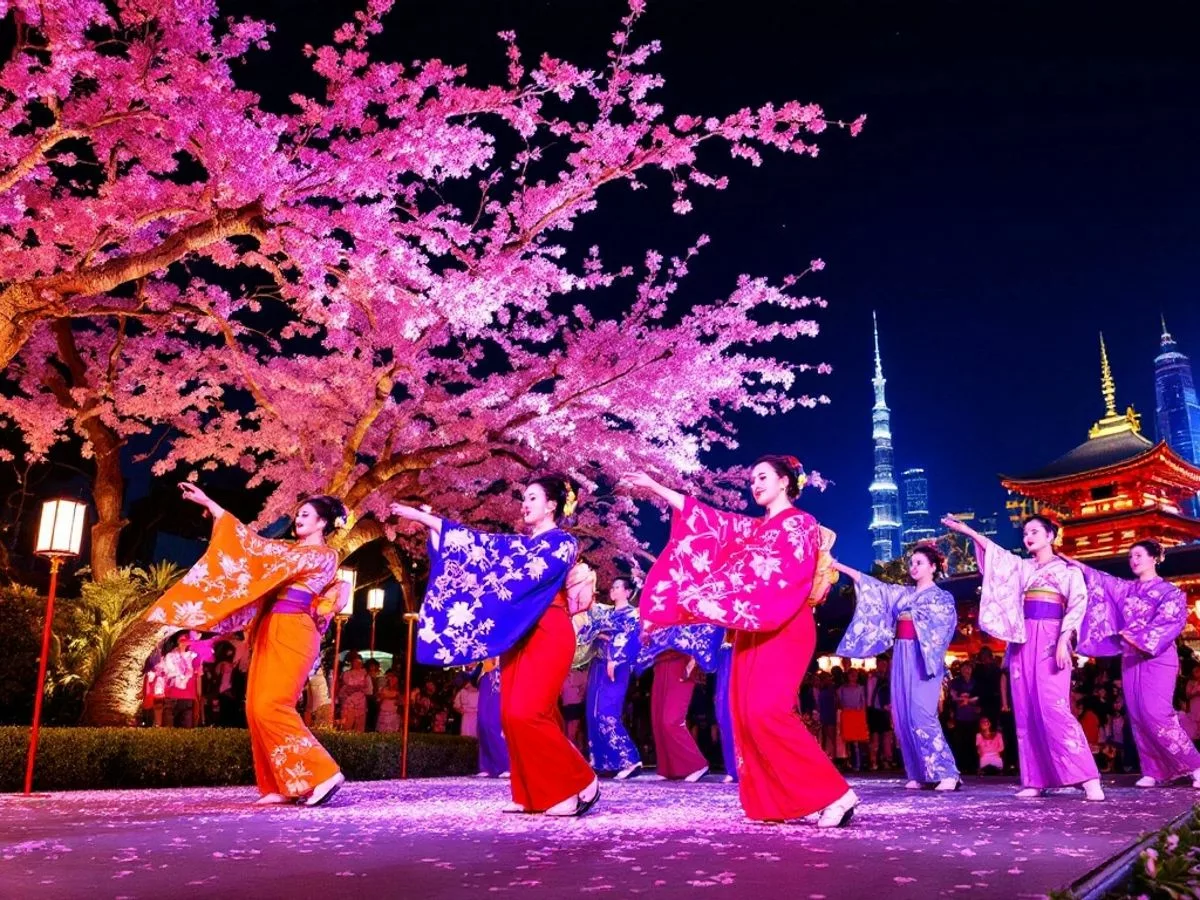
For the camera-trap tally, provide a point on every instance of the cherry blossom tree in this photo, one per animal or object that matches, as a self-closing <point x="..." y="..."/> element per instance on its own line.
<point x="432" y="347"/>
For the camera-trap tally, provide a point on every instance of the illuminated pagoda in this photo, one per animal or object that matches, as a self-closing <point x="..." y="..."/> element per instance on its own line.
<point x="1116" y="487"/>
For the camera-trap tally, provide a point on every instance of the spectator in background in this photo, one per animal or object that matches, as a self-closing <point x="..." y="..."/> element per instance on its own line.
<point x="827" y="714"/>
<point x="353" y="690"/>
<point x="389" y="703"/>
<point x="318" y="710"/>
<point x="466" y="704"/>
<point x="989" y="744"/>
<point x="882" y="748"/>
<point x="181" y="676"/>
<point x="574" y="695"/>
<point x="376" y="676"/>
<point x="987" y="684"/>
<point x="852" y="701"/>
<point x="965" y="698"/>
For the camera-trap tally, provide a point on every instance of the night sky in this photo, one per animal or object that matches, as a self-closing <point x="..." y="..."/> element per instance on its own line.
<point x="1027" y="178"/>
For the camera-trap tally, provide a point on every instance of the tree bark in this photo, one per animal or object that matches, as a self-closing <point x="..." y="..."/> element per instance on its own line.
<point x="116" y="695"/>
<point x="25" y="303"/>
<point x="108" y="482"/>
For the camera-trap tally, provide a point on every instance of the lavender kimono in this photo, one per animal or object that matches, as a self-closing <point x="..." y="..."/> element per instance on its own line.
<point x="920" y="624"/>
<point x="612" y="749"/>
<point x="1030" y="606"/>
<point x="486" y="591"/>
<point x="493" y="750"/>
<point x="1140" y="620"/>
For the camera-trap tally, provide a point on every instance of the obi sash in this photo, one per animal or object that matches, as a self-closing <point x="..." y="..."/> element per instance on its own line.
<point x="293" y="601"/>
<point x="1041" y="604"/>
<point x="906" y="630"/>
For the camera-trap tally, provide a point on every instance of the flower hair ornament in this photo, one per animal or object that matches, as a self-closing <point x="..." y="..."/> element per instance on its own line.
<point x="570" y="500"/>
<point x="797" y="471"/>
<point x="345" y="522"/>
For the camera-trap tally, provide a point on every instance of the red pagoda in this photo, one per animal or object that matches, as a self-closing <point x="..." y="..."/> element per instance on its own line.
<point x="1116" y="487"/>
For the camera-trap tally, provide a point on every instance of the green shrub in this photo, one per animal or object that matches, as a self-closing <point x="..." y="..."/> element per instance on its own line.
<point x="72" y="759"/>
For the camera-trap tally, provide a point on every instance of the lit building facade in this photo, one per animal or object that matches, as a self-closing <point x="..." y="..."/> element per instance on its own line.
<point x="885" y="496"/>
<point x="918" y="524"/>
<point x="1177" y="409"/>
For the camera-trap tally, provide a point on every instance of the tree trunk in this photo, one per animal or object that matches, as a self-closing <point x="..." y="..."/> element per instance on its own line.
<point x="108" y="484"/>
<point x="116" y="695"/>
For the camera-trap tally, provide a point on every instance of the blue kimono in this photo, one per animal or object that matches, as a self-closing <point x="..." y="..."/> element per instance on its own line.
<point x="486" y="591"/>
<point x="612" y="749"/>
<point x="920" y="624"/>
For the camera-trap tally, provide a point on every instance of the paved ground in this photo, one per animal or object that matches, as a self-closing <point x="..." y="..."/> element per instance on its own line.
<point x="445" y="838"/>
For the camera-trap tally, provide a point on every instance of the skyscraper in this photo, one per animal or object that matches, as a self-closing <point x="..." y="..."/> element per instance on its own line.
<point x="917" y="523"/>
<point x="1177" y="409"/>
<point x="885" y="496"/>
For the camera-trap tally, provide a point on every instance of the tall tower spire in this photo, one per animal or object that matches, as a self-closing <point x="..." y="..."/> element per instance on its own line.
<point x="1113" y="422"/>
<point x="1177" y="408"/>
<point x="885" y="496"/>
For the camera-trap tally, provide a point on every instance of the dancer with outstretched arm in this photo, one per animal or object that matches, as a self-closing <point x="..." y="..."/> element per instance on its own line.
<point x="755" y="576"/>
<point x="1037" y="606"/>
<point x="1139" y="620"/>
<point x="286" y="592"/>
<point x="917" y="623"/>
<point x="512" y="596"/>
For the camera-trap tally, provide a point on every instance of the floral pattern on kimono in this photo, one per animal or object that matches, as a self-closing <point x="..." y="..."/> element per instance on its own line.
<point x="1150" y="615"/>
<point x="222" y="592"/>
<point x="1006" y="578"/>
<point x="826" y="575"/>
<point x="731" y="570"/>
<point x="287" y="759"/>
<point x="625" y="626"/>
<point x="486" y="591"/>
<point x="700" y="642"/>
<point x="872" y="630"/>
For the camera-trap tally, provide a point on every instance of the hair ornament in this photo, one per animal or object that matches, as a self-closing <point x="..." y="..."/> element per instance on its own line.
<point x="570" y="500"/>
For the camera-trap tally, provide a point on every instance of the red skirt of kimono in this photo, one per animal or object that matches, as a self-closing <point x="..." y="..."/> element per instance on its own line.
<point x="546" y="767"/>
<point x="782" y="771"/>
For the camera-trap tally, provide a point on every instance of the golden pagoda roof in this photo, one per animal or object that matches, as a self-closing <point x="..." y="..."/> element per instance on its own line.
<point x="1115" y="442"/>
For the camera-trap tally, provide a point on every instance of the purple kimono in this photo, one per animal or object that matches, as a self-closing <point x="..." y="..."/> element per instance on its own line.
<point x="1030" y="606"/>
<point x="1140" y="620"/>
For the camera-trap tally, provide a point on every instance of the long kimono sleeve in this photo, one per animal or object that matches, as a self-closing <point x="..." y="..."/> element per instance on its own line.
<point x="623" y="645"/>
<point x="700" y="642"/>
<point x="825" y="575"/>
<point x="753" y="577"/>
<point x="1156" y="633"/>
<point x="1075" y="591"/>
<point x="935" y="618"/>
<point x="872" y="630"/>
<point x="224" y="589"/>
<point x="486" y="591"/>
<point x="699" y="536"/>
<point x="1100" y="630"/>
<point x="1001" y="599"/>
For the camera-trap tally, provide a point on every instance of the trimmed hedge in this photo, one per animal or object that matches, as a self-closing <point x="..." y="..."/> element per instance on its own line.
<point x="71" y="759"/>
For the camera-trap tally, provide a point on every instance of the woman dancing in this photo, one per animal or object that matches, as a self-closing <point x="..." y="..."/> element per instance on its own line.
<point x="756" y="576"/>
<point x="920" y="621"/>
<point x="513" y="596"/>
<point x="288" y="591"/>
<point x="616" y="632"/>
<point x="1037" y="605"/>
<point x="1140" y="620"/>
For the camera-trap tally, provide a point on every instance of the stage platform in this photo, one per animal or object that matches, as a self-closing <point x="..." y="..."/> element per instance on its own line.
<point x="446" y="838"/>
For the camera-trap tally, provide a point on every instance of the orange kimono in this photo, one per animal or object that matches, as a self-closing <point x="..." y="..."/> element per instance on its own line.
<point x="240" y="575"/>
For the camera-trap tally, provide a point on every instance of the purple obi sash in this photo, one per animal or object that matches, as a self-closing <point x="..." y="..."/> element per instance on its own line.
<point x="1044" y="605"/>
<point x="906" y="630"/>
<point x="294" y="600"/>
